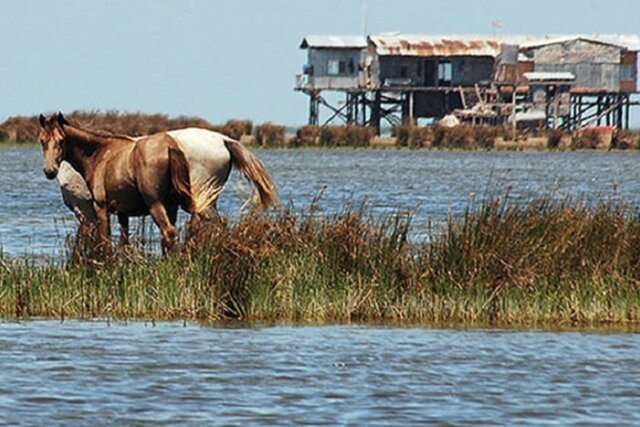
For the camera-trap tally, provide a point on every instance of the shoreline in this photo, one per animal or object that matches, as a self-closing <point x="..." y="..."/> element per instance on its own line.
<point x="502" y="146"/>
<point x="595" y="328"/>
<point x="542" y="265"/>
<point x="271" y="135"/>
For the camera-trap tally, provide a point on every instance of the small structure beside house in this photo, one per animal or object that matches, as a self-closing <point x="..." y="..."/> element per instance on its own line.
<point x="605" y="71"/>
<point x="568" y="81"/>
<point x="335" y="63"/>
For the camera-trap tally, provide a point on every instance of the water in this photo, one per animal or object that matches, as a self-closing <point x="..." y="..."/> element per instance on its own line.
<point x="91" y="373"/>
<point x="33" y="220"/>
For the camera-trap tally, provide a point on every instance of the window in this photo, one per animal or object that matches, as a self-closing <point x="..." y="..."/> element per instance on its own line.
<point x="335" y="67"/>
<point x="627" y="71"/>
<point x="404" y="71"/>
<point x="444" y="73"/>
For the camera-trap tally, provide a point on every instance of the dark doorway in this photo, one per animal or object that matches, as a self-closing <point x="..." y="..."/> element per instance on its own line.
<point x="428" y="72"/>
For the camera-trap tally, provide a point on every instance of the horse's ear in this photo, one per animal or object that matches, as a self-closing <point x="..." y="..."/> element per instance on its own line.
<point x="61" y="119"/>
<point x="41" y="120"/>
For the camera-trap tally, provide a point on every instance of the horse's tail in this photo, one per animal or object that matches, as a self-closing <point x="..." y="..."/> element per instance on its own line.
<point x="253" y="170"/>
<point x="180" y="181"/>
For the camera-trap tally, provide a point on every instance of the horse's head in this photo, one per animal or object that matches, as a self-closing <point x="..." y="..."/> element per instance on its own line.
<point x="52" y="136"/>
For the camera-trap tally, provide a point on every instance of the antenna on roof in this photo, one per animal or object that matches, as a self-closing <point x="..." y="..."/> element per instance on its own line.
<point x="364" y="18"/>
<point x="495" y="25"/>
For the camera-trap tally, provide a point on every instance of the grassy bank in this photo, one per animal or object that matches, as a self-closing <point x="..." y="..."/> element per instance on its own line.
<point x="543" y="264"/>
<point x="269" y="135"/>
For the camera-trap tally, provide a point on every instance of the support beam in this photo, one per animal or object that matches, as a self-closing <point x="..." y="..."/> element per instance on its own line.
<point x="626" y="112"/>
<point x="314" y="108"/>
<point x="411" y="109"/>
<point x="395" y="105"/>
<point x="376" y="111"/>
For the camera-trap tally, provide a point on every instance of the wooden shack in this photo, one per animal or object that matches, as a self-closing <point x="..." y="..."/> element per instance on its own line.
<point x="334" y="62"/>
<point x="433" y="61"/>
<point x="596" y="65"/>
<point x="401" y="78"/>
<point x="605" y="70"/>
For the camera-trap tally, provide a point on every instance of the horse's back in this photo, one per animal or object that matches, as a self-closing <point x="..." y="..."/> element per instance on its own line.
<point x="209" y="162"/>
<point x="198" y="143"/>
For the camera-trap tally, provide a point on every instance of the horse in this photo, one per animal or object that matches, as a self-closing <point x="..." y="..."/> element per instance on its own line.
<point x="151" y="175"/>
<point x="75" y="193"/>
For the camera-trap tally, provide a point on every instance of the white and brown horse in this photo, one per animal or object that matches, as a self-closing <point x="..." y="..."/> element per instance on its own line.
<point x="151" y="175"/>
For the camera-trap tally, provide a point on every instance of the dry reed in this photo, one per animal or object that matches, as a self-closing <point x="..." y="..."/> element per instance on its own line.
<point x="545" y="263"/>
<point x="26" y="129"/>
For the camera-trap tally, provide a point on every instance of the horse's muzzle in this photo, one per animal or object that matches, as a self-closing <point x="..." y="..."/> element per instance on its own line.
<point x="50" y="173"/>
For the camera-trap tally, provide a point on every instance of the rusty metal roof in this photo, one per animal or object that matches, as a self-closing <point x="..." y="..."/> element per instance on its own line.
<point x="483" y="45"/>
<point x="335" y="42"/>
<point x="425" y="45"/>
<point x="624" y="41"/>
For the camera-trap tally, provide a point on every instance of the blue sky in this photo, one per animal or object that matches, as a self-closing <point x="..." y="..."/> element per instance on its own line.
<point x="222" y="59"/>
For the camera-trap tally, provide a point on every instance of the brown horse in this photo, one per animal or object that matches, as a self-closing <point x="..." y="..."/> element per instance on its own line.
<point x="153" y="175"/>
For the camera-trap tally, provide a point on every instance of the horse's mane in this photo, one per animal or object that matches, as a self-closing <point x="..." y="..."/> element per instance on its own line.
<point x="102" y="133"/>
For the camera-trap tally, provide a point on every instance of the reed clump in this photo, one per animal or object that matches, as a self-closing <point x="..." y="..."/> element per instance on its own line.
<point x="587" y="139"/>
<point x="544" y="263"/>
<point x="26" y="128"/>
<point x="484" y="136"/>
<point x="624" y="140"/>
<point x="413" y="136"/>
<point x="236" y="129"/>
<point x="358" y="136"/>
<point x="345" y="136"/>
<point x="331" y="136"/>
<point x="466" y="137"/>
<point x="306" y="136"/>
<point x="20" y="129"/>
<point x="554" y="138"/>
<point x="270" y="135"/>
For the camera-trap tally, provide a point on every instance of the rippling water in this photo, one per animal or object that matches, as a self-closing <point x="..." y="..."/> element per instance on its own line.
<point x="96" y="374"/>
<point x="93" y="373"/>
<point x="434" y="184"/>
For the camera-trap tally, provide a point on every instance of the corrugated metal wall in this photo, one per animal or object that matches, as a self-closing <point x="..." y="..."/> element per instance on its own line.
<point x="595" y="65"/>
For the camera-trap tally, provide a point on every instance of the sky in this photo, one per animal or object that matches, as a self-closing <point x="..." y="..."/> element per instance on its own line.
<point x="223" y="59"/>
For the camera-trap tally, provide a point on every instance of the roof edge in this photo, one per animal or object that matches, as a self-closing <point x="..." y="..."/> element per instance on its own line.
<point x="334" y="41"/>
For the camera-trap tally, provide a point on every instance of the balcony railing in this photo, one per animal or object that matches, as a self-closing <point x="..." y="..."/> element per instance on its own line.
<point x="304" y="81"/>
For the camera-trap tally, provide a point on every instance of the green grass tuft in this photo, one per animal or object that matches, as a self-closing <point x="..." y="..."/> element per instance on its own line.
<point x="546" y="263"/>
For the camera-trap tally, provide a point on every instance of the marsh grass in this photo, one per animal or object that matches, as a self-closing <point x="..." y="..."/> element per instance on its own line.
<point x="345" y="136"/>
<point x="547" y="263"/>
<point x="270" y="135"/>
<point x="26" y="128"/>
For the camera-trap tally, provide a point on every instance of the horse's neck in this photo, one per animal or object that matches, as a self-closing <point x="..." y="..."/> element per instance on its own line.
<point x="83" y="149"/>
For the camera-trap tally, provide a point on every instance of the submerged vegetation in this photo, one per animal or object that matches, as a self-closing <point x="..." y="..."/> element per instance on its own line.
<point x="542" y="264"/>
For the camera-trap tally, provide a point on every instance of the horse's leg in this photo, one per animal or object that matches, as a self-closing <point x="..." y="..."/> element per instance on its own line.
<point x="81" y="241"/>
<point x="212" y="213"/>
<point x="162" y="220"/>
<point x="104" y="229"/>
<point x="123" y="220"/>
<point x="172" y="213"/>
<point x="202" y="221"/>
